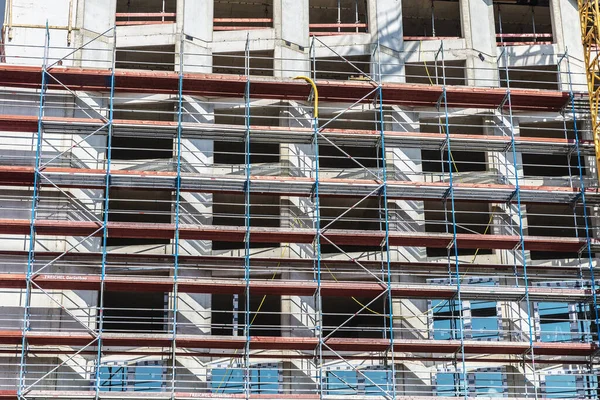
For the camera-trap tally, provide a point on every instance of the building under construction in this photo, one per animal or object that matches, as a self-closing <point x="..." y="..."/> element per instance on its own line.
<point x="297" y="199"/>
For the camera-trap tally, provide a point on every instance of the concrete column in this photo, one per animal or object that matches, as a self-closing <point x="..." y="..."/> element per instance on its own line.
<point x="195" y="23"/>
<point x="385" y="25"/>
<point x="197" y="157"/>
<point x="95" y="17"/>
<point x="290" y="20"/>
<point x="404" y="164"/>
<point x="567" y="36"/>
<point x="478" y="28"/>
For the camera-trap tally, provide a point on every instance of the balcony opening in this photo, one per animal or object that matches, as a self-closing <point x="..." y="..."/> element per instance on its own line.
<point x="463" y="163"/>
<point x="148" y="58"/>
<point x="362" y="217"/>
<point x="334" y="68"/>
<point x="138" y="147"/>
<point x="229" y="210"/>
<point x="236" y="15"/>
<point x="139" y="206"/>
<point x="261" y="63"/>
<point x="333" y="17"/>
<point x="366" y="324"/>
<point x="233" y="153"/>
<point x="145" y="12"/>
<point x="551" y="164"/>
<point x="424" y="20"/>
<point x="470" y="217"/>
<point x="134" y="311"/>
<point x="428" y="73"/>
<point x="526" y="22"/>
<point x="229" y="315"/>
<point x="555" y="221"/>
<point x="531" y="77"/>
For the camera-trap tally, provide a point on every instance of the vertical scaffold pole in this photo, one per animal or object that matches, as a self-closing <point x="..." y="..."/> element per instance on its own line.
<point x="454" y="245"/>
<point x="105" y="214"/>
<point x="317" y="226"/>
<point x="247" y="377"/>
<point x="588" y="234"/>
<point x="177" y="221"/>
<point x="386" y="243"/>
<point x="507" y="101"/>
<point x="33" y="215"/>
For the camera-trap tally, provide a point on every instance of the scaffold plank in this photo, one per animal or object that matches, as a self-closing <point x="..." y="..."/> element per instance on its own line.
<point x="292" y="186"/>
<point x="276" y="235"/>
<point x="214" y="85"/>
<point x="338" y="344"/>
<point x="136" y="283"/>
<point x="267" y="134"/>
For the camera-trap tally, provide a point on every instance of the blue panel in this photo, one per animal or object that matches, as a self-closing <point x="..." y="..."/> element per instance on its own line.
<point x="489" y="384"/>
<point x="561" y="386"/>
<point x="148" y="378"/>
<point x="227" y="380"/>
<point x="442" y="329"/>
<point x="448" y="384"/>
<point x="484" y="327"/>
<point x="265" y="380"/>
<point x="380" y="378"/>
<point x="342" y="382"/>
<point x="113" y="378"/>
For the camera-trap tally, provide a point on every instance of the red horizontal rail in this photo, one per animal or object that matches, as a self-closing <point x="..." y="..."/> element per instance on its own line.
<point x="145" y="15"/>
<point x="270" y="287"/>
<point x="521" y="43"/>
<point x="156" y="82"/>
<point x="29" y="123"/>
<point x="420" y="38"/>
<point x="158" y="259"/>
<point x="239" y="28"/>
<point x="524" y="35"/>
<point x="134" y="23"/>
<point x="243" y="20"/>
<point x="359" y="25"/>
<point x="296" y="186"/>
<point x="39" y="338"/>
<point x="276" y="235"/>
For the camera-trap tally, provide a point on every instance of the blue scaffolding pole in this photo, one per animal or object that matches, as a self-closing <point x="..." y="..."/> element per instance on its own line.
<point x="507" y="101"/>
<point x="105" y="217"/>
<point x="177" y="221"/>
<point x="247" y="377"/>
<point x="453" y="246"/>
<point x="386" y="243"/>
<point x="586" y="219"/>
<point x="317" y="242"/>
<point x="33" y="215"/>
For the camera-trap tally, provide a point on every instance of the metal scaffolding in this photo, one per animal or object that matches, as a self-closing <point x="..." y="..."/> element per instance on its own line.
<point x="404" y="327"/>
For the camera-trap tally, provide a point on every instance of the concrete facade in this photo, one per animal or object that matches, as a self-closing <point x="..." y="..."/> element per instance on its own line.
<point x="539" y="296"/>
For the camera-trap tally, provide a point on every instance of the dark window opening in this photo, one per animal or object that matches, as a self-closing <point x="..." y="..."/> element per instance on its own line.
<point x="139" y="206"/>
<point x="337" y="69"/>
<point x="555" y="221"/>
<point x="367" y="324"/>
<point x="153" y="58"/>
<point x="235" y="153"/>
<point x="470" y="217"/>
<point x="430" y="73"/>
<point x="531" y="77"/>
<point x="525" y="22"/>
<point x="261" y="63"/>
<point x="145" y="12"/>
<point x="229" y="210"/>
<point x="417" y="16"/>
<point x="332" y="157"/>
<point x="134" y="311"/>
<point x="265" y="316"/>
<point x="331" y="17"/>
<point x="236" y="15"/>
<point x="363" y="217"/>
<point x="552" y="164"/>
